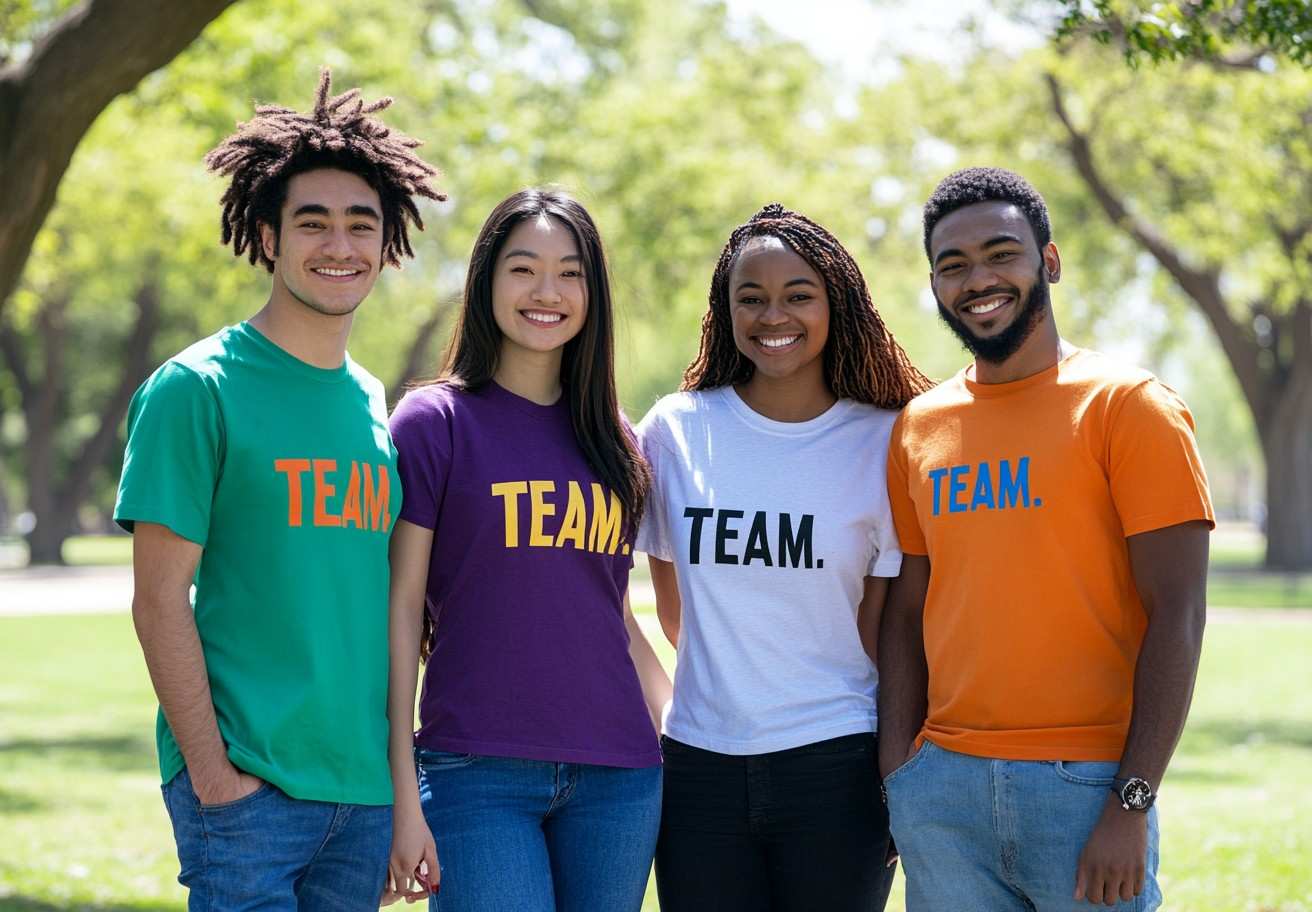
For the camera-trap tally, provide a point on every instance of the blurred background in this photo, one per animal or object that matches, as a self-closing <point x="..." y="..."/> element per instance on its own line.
<point x="1172" y="141"/>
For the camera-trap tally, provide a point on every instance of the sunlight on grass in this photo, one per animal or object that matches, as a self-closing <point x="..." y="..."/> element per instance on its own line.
<point x="83" y="826"/>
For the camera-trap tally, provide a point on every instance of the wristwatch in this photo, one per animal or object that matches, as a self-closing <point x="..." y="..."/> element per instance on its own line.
<point x="1134" y="793"/>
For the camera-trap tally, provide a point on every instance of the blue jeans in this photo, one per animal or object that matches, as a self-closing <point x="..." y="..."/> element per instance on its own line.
<point x="1001" y="835"/>
<point x="269" y="852"/>
<point x="535" y="836"/>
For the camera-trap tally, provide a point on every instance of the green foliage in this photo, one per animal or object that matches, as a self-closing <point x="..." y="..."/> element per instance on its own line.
<point x="24" y="21"/>
<point x="1199" y="29"/>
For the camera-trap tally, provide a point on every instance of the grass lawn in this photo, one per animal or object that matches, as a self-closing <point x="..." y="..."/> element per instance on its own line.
<point x="82" y="826"/>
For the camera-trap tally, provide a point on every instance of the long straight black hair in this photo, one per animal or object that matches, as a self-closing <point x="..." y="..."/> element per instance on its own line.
<point x="587" y="370"/>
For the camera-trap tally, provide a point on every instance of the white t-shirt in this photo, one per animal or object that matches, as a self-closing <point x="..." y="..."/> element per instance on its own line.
<point x="772" y="528"/>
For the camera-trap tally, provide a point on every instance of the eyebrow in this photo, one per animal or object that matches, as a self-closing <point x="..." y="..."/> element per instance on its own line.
<point x="803" y="280"/>
<point x="991" y="242"/>
<point x="320" y="209"/>
<point x="520" y="251"/>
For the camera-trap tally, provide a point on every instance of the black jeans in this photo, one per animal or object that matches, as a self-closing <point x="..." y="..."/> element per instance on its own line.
<point x="799" y="829"/>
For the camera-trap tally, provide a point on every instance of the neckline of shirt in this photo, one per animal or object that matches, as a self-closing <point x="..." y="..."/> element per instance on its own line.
<point x="290" y="361"/>
<point x="498" y="393"/>
<point x="759" y="422"/>
<point x="996" y="390"/>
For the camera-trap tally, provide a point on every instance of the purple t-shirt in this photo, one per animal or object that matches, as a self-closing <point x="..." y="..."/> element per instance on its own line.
<point x="530" y="562"/>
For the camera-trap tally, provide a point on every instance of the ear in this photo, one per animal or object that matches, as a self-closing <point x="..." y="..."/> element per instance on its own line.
<point x="1052" y="263"/>
<point x="269" y="240"/>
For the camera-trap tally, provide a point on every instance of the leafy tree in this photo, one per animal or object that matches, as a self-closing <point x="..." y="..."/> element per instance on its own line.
<point x="1232" y="33"/>
<point x="55" y="81"/>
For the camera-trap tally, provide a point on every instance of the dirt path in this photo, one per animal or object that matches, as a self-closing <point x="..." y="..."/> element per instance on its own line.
<point x="100" y="590"/>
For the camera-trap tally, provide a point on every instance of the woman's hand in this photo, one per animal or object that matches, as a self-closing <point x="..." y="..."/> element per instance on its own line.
<point x="412" y="871"/>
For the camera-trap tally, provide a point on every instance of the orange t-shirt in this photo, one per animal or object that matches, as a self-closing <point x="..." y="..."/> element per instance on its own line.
<point x="1022" y="495"/>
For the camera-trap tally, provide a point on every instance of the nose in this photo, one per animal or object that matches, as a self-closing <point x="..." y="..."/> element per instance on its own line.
<point x="774" y="313"/>
<point x="980" y="277"/>
<point x="545" y="290"/>
<point x="337" y="244"/>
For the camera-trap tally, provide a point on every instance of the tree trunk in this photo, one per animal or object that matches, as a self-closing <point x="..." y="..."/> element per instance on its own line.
<point x="1287" y="447"/>
<point x="94" y="53"/>
<point x="45" y="543"/>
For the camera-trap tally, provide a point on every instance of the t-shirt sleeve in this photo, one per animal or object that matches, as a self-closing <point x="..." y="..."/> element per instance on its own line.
<point x="906" y="522"/>
<point x="886" y="557"/>
<point x="1156" y="474"/>
<point x="653" y="533"/>
<point x="174" y="454"/>
<point x="421" y="432"/>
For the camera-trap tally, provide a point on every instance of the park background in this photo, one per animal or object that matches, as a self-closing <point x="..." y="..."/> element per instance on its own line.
<point x="1173" y="142"/>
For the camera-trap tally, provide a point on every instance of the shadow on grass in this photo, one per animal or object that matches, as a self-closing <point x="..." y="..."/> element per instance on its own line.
<point x="17" y="803"/>
<point x="109" y="752"/>
<point x="1210" y="734"/>
<point x="33" y="904"/>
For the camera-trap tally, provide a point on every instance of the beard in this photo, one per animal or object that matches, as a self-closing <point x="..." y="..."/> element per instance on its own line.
<point x="998" y="348"/>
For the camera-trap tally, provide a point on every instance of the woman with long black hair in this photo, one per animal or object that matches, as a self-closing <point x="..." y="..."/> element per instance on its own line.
<point x="771" y="546"/>
<point x="535" y="774"/>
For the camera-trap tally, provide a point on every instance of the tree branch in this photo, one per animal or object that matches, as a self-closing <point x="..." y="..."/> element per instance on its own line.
<point x="94" y="53"/>
<point x="1201" y="285"/>
<point x="136" y="365"/>
<point x="12" y="349"/>
<point x="417" y="357"/>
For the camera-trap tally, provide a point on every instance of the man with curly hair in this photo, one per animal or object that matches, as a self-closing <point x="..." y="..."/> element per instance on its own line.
<point x="1038" y="654"/>
<point x="259" y="466"/>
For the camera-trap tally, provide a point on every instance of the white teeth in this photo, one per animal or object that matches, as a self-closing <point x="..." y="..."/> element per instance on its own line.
<point x="777" y="341"/>
<point x="545" y="318"/>
<point x="336" y="272"/>
<point x="987" y="306"/>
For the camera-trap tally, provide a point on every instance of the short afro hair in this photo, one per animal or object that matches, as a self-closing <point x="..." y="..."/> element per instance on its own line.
<point x="985" y="185"/>
<point x="278" y="143"/>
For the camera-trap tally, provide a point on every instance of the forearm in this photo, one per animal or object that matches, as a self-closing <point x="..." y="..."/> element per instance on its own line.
<point x="669" y="607"/>
<point x="1170" y="574"/>
<point x="655" y="681"/>
<point x="903" y="687"/>
<point x="1163" y="686"/>
<point x="166" y="628"/>
<point x="402" y="680"/>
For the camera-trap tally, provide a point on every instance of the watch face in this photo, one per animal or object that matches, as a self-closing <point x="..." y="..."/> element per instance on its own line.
<point x="1137" y="794"/>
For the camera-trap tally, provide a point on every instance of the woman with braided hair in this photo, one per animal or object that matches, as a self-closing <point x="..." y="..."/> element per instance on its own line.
<point x="771" y="546"/>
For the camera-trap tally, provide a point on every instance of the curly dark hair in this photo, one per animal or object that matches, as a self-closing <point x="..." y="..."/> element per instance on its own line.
<point x="278" y="143"/>
<point x="862" y="360"/>
<point x="984" y="185"/>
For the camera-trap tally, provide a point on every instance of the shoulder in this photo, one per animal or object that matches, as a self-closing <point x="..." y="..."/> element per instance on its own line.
<point x="871" y="424"/>
<point x="431" y="400"/>
<point x="945" y="397"/>
<point x="208" y="359"/>
<point x="1094" y="369"/>
<point x="1121" y="386"/>
<point x="365" y="380"/>
<point x="672" y="415"/>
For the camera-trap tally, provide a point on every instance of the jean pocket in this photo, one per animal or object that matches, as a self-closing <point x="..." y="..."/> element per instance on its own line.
<point x="441" y="760"/>
<point x="1098" y="773"/>
<point x="910" y="764"/>
<point x="263" y="790"/>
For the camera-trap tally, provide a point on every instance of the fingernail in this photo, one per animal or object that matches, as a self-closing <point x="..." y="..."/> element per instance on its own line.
<point x="423" y="868"/>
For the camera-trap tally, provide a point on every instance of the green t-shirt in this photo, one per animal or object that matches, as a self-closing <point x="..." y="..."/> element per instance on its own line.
<point x="285" y="474"/>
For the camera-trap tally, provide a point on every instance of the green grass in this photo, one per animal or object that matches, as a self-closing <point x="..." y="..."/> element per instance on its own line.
<point x="82" y="826"/>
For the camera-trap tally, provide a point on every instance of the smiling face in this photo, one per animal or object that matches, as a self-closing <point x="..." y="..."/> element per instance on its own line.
<point x="779" y="310"/>
<point x="991" y="279"/>
<point x="328" y="250"/>
<point x="539" y="291"/>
